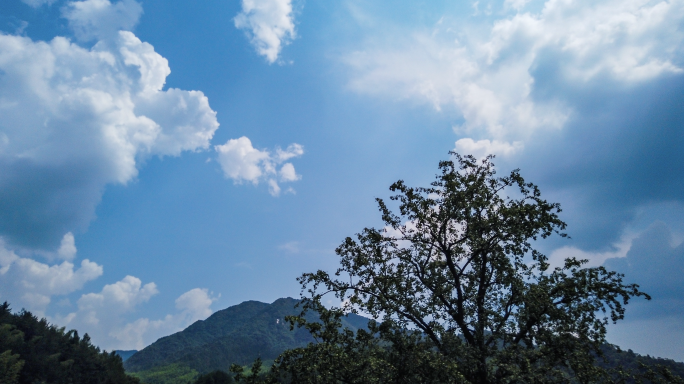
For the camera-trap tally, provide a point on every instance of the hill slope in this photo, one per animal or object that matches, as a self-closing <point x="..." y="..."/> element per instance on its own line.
<point x="237" y="334"/>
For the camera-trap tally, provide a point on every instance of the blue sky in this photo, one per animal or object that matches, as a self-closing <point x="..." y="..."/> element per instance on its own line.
<point x="163" y="160"/>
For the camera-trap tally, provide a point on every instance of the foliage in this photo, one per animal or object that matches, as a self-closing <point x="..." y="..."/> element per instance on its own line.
<point x="10" y="367"/>
<point x="382" y="354"/>
<point x="168" y="374"/>
<point x="457" y="266"/>
<point x="33" y="351"/>
<point x="215" y="377"/>
<point x="252" y="376"/>
<point x="390" y="354"/>
<point x="635" y="368"/>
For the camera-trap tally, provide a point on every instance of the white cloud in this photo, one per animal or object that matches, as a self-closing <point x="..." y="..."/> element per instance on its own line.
<point x="57" y="279"/>
<point x="269" y="24"/>
<point x="495" y="100"/>
<point x="632" y="40"/>
<point x="100" y="313"/>
<point x="100" y="19"/>
<point x="7" y="257"/>
<point x="67" y="250"/>
<point x="482" y="148"/>
<point x="240" y="161"/>
<point x="121" y="297"/>
<point x="619" y="250"/>
<point x="142" y="332"/>
<point x="273" y="187"/>
<point x="287" y="173"/>
<point x="103" y="315"/>
<point x="30" y="284"/>
<point x="196" y="303"/>
<point x="489" y="74"/>
<point x="73" y="120"/>
<point x="294" y="150"/>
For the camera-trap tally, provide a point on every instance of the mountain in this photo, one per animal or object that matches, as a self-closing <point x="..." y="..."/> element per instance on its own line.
<point x="238" y="334"/>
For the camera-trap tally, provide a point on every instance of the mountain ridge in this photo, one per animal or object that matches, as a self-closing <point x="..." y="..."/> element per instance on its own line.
<point x="237" y="334"/>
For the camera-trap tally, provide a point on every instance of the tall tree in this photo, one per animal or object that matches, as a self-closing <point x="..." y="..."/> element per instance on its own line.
<point x="457" y="263"/>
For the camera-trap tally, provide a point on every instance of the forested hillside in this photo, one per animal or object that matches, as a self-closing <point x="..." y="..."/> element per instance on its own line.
<point x="237" y="334"/>
<point x="33" y="351"/>
<point x="630" y="360"/>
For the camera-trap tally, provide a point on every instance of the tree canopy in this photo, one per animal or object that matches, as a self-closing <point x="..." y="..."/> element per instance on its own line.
<point x="454" y="279"/>
<point x="33" y="351"/>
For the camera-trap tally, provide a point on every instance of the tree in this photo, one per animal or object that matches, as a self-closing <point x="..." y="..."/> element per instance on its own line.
<point x="457" y="264"/>
<point x="33" y="351"/>
<point x="10" y="366"/>
<point x="383" y="353"/>
<point x="215" y="377"/>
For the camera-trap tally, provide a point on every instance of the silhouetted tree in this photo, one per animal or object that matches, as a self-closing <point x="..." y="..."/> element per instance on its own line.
<point x="454" y="274"/>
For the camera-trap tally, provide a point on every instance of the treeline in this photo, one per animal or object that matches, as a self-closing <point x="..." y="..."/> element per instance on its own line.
<point x="34" y="351"/>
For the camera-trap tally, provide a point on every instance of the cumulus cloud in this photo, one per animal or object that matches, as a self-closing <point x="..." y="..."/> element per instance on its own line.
<point x="196" y="303"/>
<point x="103" y="315"/>
<point x="495" y="101"/>
<point x="100" y="19"/>
<point x="191" y="306"/>
<point x="240" y="161"/>
<point x="590" y="90"/>
<point x="287" y="173"/>
<point x="30" y="284"/>
<point x="67" y="250"/>
<point x="73" y="120"/>
<point x="490" y="77"/>
<point x="121" y="297"/>
<point x="269" y="24"/>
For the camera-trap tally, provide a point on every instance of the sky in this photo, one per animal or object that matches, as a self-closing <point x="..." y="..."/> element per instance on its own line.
<point x="162" y="160"/>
